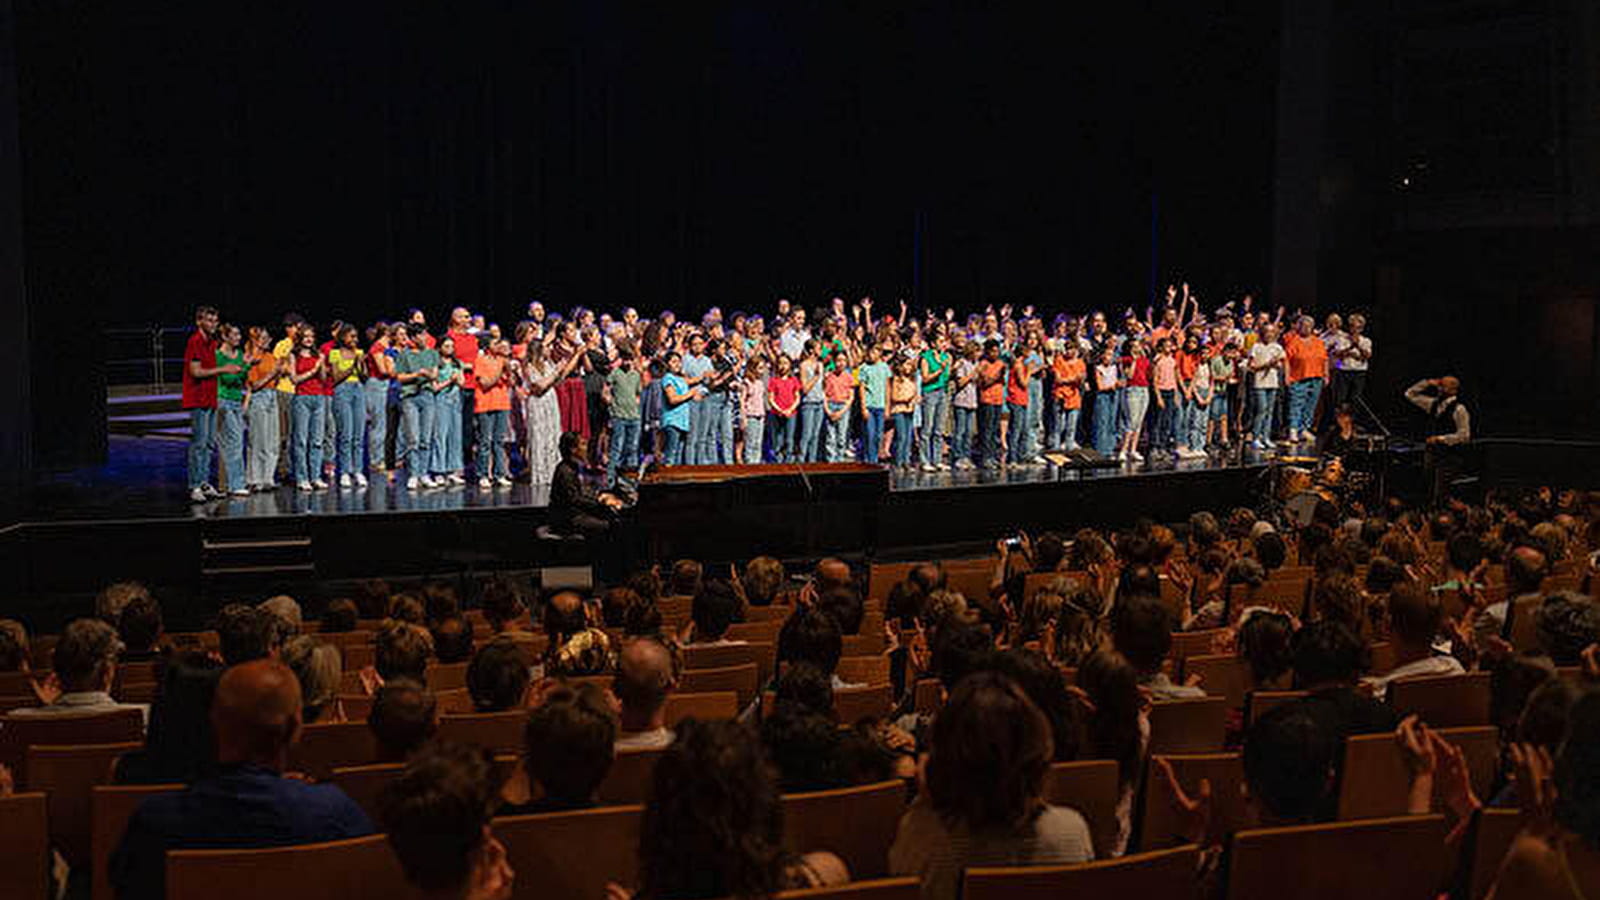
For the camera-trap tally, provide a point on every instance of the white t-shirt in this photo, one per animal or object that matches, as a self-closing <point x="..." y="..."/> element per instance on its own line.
<point x="1355" y="364"/>
<point x="1269" y="354"/>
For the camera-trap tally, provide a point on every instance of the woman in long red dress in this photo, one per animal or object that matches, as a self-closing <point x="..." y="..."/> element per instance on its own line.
<point x="570" y="395"/>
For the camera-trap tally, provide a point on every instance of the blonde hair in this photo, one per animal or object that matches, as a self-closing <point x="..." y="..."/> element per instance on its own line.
<point x="318" y="668"/>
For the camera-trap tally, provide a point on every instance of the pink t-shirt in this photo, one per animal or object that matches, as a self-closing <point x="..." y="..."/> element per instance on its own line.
<point x="1164" y="373"/>
<point x="753" y="400"/>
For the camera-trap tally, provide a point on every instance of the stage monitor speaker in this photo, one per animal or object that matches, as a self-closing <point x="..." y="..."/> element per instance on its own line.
<point x="1081" y="458"/>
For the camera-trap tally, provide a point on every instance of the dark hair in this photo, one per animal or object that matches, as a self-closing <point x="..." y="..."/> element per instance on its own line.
<point x="1271" y="551"/>
<point x="86" y="651"/>
<point x="1048" y="551"/>
<point x="807" y="687"/>
<point x="642" y="620"/>
<point x="440" y="600"/>
<point x="1544" y="717"/>
<point x="139" y="625"/>
<point x="13" y="652"/>
<point x="245" y="633"/>
<point x="501" y="603"/>
<point x="844" y="604"/>
<point x="803" y="746"/>
<point x="569" y="743"/>
<point x="340" y="616"/>
<point x="1328" y="652"/>
<point x="497" y="677"/>
<point x="1289" y="758"/>
<point x="1566" y="623"/>
<point x="1139" y="578"/>
<point x="812" y="636"/>
<point x="1204" y="531"/>
<point x="401" y="650"/>
<point x="647" y="584"/>
<point x="959" y="648"/>
<point x="1464" y="551"/>
<point x="372" y="598"/>
<point x="180" y="745"/>
<point x="615" y="603"/>
<point x="1141" y="630"/>
<point x="991" y="748"/>
<point x="714" y="824"/>
<point x="1265" y="641"/>
<point x="1415" y="614"/>
<point x="685" y="581"/>
<point x="905" y="602"/>
<point x="435" y="814"/>
<point x="714" y="608"/>
<point x="1047" y="688"/>
<point x="1525" y="569"/>
<point x="403" y="718"/>
<point x="1113" y="728"/>
<point x="406" y="607"/>
<point x="452" y="639"/>
<point x="1383" y="574"/>
<point x="562" y="620"/>
<point x="1577" y="788"/>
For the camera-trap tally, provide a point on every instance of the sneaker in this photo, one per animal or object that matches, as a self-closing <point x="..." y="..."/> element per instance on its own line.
<point x="485" y="483"/>
<point x="320" y="484"/>
<point x="964" y="464"/>
<point x="198" y="495"/>
<point x="361" y="480"/>
<point x="942" y="467"/>
<point x="1255" y="444"/>
<point x="210" y="492"/>
<point x="929" y="467"/>
<point x="1136" y="456"/>
<point x="412" y="483"/>
<point x="503" y="481"/>
<point x="344" y="481"/>
<point x="239" y="492"/>
<point x="457" y="478"/>
<point x="304" y="486"/>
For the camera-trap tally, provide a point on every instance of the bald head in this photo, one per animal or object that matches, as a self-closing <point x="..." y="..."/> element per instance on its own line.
<point x="644" y="678"/>
<point x="832" y="573"/>
<point x="1525" y="569"/>
<point x="256" y="713"/>
<point x="563" y="615"/>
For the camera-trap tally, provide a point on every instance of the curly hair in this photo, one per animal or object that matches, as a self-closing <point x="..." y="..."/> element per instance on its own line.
<point x="713" y="826"/>
<point x="991" y="749"/>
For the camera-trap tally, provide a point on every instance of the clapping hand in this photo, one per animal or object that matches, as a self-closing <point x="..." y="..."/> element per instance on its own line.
<point x="1194" y="812"/>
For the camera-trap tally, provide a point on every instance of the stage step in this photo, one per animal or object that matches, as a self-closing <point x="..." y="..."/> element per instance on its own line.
<point x="255" y="551"/>
<point x="146" y="412"/>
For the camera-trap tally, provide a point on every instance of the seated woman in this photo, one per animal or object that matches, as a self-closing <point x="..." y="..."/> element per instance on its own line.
<point x="984" y="803"/>
<point x="1558" y="854"/>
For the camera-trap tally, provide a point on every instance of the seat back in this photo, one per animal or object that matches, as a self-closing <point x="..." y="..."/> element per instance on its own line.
<point x="851" y="705"/>
<point x="447" y="676"/>
<point x="358" y="656"/>
<point x="572" y="854"/>
<point x="628" y="780"/>
<point x="928" y="696"/>
<point x="1257" y="703"/>
<point x="1524" y="627"/>
<point x="1091" y="787"/>
<point x="1444" y="701"/>
<point x="764" y="631"/>
<point x="453" y="702"/>
<point x="68" y="775"/>
<point x="356" y="707"/>
<point x="110" y="808"/>
<point x="1491" y="840"/>
<point x="364" y="784"/>
<point x="1188" y="726"/>
<point x="18" y="733"/>
<point x="17" y="684"/>
<point x="1374" y="859"/>
<point x="495" y="732"/>
<point x="707" y="706"/>
<point x="1160" y="873"/>
<point x="1193" y="643"/>
<point x="857" y="823"/>
<point x="740" y="679"/>
<point x="1160" y="824"/>
<point x="720" y="656"/>
<point x="24" y="846"/>
<point x="335" y="870"/>
<point x="1222" y="675"/>
<point x="867" y="670"/>
<point x="876" y="889"/>
<point x="325" y="746"/>
<point x="1375" y="778"/>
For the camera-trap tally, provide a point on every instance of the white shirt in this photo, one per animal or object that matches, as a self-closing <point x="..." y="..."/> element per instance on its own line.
<point x="1422" y="399"/>
<point x="1272" y="356"/>
<point x="1429" y="665"/>
<point x="654" y="739"/>
<point x="1340" y="342"/>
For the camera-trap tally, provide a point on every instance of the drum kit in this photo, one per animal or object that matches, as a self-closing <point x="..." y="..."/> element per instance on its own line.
<point x="1305" y="482"/>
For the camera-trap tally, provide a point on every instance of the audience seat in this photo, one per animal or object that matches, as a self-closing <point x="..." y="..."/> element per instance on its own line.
<point x="1375" y="777"/>
<point x="928" y="696"/>
<point x="1444" y="701"/>
<point x="17" y="684"/>
<point x="706" y="706"/>
<point x="1188" y="726"/>
<point x="1524" y="623"/>
<point x="1193" y="643"/>
<point x="1161" y="873"/>
<point x="141" y="672"/>
<point x="336" y="870"/>
<point x="541" y="848"/>
<point x="110" y="808"/>
<point x="1373" y="859"/>
<point x="857" y="823"/>
<point x="870" y="642"/>
<point x="1257" y="703"/>
<point x="42" y="647"/>
<point x="18" y="701"/>
<point x="358" y="656"/>
<point x="722" y="656"/>
<point x="1222" y="675"/>
<point x="740" y="679"/>
<point x="1160" y="825"/>
<point x="495" y="732"/>
<point x="628" y="780"/>
<point x="863" y="669"/>
<point x="364" y="784"/>
<point x="24" y="846"/>
<point x="1490" y="841"/>
<point x="17" y="734"/>
<point x="454" y="702"/>
<point x="1089" y="786"/>
<point x="447" y="676"/>
<point x="877" y="889"/>
<point x="68" y="775"/>
<point x="137" y="692"/>
<point x="356" y="706"/>
<point x="325" y="746"/>
<point x="1382" y="656"/>
<point x="851" y="705"/>
<point x="764" y="631"/>
<point x="761" y="614"/>
<point x="675" y="611"/>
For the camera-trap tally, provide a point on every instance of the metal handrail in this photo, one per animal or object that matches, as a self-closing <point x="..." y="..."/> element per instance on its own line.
<point x="156" y="335"/>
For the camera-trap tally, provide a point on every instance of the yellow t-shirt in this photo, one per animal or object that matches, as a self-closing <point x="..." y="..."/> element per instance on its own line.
<point x="344" y="365"/>
<point x="281" y="350"/>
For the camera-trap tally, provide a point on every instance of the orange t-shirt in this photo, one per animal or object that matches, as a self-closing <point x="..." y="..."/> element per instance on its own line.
<point x="1017" y="391"/>
<point x="994" y="394"/>
<point x="1070" y="396"/>
<point x="1187" y="363"/>
<point x="261" y="368"/>
<point x="498" y="397"/>
<point x="1307" y="357"/>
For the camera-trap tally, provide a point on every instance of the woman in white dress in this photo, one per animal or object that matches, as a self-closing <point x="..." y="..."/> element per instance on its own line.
<point x="541" y="412"/>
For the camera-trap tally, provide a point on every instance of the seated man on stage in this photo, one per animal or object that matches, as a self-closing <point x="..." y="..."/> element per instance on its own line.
<point x="575" y="508"/>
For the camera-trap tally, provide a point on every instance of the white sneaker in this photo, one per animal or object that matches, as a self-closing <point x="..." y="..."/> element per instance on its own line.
<point x="304" y="486"/>
<point x="929" y="467"/>
<point x="197" y="495"/>
<point x="344" y="481"/>
<point x="239" y="492"/>
<point x="1136" y="456"/>
<point x="319" y="484"/>
<point x="210" y="492"/>
<point x="485" y="483"/>
<point x="412" y="483"/>
<point x="503" y="481"/>
<point x="361" y="480"/>
<point x="457" y="478"/>
<point x="1255" y="444"/>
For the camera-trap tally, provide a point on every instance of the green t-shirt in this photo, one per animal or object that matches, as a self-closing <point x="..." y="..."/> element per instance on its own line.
<point x="874" y="379"/>
<point x="940" y="364"/>
<point x="231" y="387"/>
<point x="414" y="360"/>
<point x="625" y="385"/>
<point x="448" y="370"/>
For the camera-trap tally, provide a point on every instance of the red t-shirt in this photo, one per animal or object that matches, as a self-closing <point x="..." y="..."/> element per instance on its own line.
<point x="1017" y="389"/>
<point x="311" y="387"/>
<point x="1139" y="376"/>
<point x="781" y="393"/>
<point x="373" y="370"/>
<point x="992" y="394"/>
<point x="466" y="352"/>
<point x="199" y="393"/>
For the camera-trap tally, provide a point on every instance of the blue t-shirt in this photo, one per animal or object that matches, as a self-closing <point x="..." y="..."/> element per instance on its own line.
<point x="695" y="367"/>
<point x="874" y="378"/>
<point x="674" y="416"/>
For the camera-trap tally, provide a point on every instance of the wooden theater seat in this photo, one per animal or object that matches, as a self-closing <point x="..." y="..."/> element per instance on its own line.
<point x="335" y="870"/>
<point x="1443" y="701"/>
<point x="571" y="855"/>
<point x="110" y="808"/>
<point x="24" y="846"/>
<point x="1157" y="874"/>
<point x="628" y="780"/>
<point x="447" y="676"/>
<point x="877" y="889"/>
<point x="1258" y="703"/>
<point x="325" y="746"/>
<point x="18" y="733"/>
<point x="1491" y="839"/>
<point x="741" y="679"/>
<point x="1188" y="726"/>
<point x="857" y="823"/>
<point x="495" y="732"/>
<point x="1091" y="787"/>
<point x="364" y="784"/>
<point x="707" y="706"/>
<point x="1221" y="675"/>
<point x="1160" y="824"/>
<point x="69" y="775"/>
<point x="851" y="705"/>
<point x="1374" y="859"/>
<point x="868" y="670"/>
<point x="763" y="654"/>
<point x="1375" y="779"/>
<point x="1193" y="643"/>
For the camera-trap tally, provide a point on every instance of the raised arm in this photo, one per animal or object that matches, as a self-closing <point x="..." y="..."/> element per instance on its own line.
<point x="1419" y="396"/>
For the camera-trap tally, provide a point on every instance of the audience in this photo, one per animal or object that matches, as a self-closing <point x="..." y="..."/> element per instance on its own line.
<point x="1415" y="616"/>
<point x="715" y="607"/>
<point x="812" y="636"/>
<point x="404" y="716"/>
<point x="340" y="617"/>
<point x="1558" y="858"/>
<point x="437" y="815"/>
<point x="179" y="745"/>
<point x="317" y="667"/>
<point x="569" y="743"/>
<point x="112" y="598"/>
<point x="1290" y="758"/>
<point x="497" y="677"/>
<point x="644" y="679"/>
<point x="139" y="627"/>
<point x="1118" y="728"/>
<point x="402" y="650"/>
<point x="14" y="648"/>
<point x="452" y="639"/>
<point x="1141" y="630"/>
<point x="84" y="667"/>
<point x="575" y="649"/>
<point x="246" y="633"/>
<point x="763" y="578"/>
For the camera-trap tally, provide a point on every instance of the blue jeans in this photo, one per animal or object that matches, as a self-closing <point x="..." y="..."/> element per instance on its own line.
<point x="624" y="447"/>
<point x="782" y="428"/>
<point x="1016" y="435"/>
<point x="307" y="425"/>
<point x="673" y="441"/>
<point x="416" y="421"/>
<point x="989" y="433"/>
<point x="965" y="421"/>
<point x="902" y="439"/>
<point x="934" y="404"/>
<point x="1303" y="396"/>
<point x="836" y="442"/>
<point x="202" y="440"/>
<point x="1105" y="422"/>
<point x="724" y="429"/>
<point x="1199" y="415"/>
<point x="1035" y="433"/>
<point x="261" y="419"/>
<point x="872" y="435"/>
<point x="1136" y="401"/>
<point x="492" y="427"/>
<point x="810" y="430"/>
<point x="1166" y="430"/>
<point x="230" y="442"/>
<point x="377" y="396"/>
<point x="707" y="428"/>
<point x="1266" y="403"/>
<point x="1065" y="434"/>
<point x="446" y="443"/>
<point x="349" y="412"/>
<point x="753" y="428"/>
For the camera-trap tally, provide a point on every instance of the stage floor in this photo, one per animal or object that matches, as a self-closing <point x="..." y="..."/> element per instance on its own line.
<point x="145" y="478"/>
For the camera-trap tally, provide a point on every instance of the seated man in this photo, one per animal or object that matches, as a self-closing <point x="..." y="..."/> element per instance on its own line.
<point x="1525" y="570"/>
<point x="575" y="648"/>
<point x="85" y="663"/>
<point x="715" y="608"/>
<point x="404" y="716"/>
<point x="1415" y="615"/>
<point x="1141" y="630"/>
<point x="402" y="650"/>
<point x="437" y="815"/>
<point x="497" y="677"/>
<point x="568" y="748"/>
<point x="247" y="633"/>
<point x="245" y="801"/>
<point x="575" y="508"/>
<point x="644" y="679"/>
<point x="1328" y="660"/>
<point x="1289" y="767"/>
<point x="139" y="627"/>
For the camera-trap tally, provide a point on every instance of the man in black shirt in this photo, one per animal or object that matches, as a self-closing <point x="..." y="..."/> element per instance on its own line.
<point x="575" y="508"/>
